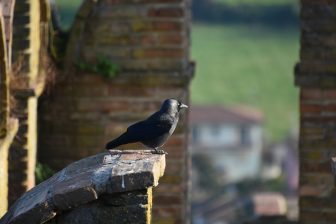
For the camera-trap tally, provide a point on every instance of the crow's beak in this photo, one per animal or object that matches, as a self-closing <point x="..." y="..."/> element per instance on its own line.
<point x="183" y="106"/>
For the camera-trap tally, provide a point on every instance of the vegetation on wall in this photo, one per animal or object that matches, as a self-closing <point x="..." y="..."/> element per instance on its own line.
<point x="43" y="172"/>
<point x="104" y="66"/>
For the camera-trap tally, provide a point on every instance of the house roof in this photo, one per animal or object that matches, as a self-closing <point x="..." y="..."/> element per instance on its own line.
<point x="224" y="114"/>
<point x="269" y="204"/>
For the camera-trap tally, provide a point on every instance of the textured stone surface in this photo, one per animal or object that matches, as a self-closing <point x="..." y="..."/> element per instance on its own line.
<point x="141" y="26"/>
<point x="316" y="77"/>
<point x="316" y="67"/>
<point x="128" y="207"/>
<point x="85" y="181"/>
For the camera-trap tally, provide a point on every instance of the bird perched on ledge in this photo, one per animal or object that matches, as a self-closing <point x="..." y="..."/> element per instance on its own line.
<point x="155" y="130"/>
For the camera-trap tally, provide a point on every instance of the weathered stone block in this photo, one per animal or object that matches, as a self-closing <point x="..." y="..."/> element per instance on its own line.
<point x="97" y="212"/>
<point x="100" y="189"/>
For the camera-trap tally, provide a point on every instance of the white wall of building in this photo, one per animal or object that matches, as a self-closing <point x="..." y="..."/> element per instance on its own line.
<point x="234" y="148"/>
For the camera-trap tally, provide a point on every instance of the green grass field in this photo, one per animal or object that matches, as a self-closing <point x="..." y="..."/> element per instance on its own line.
<point x="239" y="64"/>
<point x="247" y="65"/>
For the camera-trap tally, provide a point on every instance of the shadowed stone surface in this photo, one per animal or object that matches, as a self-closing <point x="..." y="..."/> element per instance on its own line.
<point x="79" y="185"/>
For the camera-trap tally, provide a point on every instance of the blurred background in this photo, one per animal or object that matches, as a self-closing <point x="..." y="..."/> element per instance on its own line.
<point x="244" y="114"/>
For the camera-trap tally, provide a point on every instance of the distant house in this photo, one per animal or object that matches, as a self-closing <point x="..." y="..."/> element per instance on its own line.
<point x="233" y="209"/>
<point x="231" y="136"/>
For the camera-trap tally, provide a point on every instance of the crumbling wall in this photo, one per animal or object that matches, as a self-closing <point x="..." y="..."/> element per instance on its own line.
<point x="123" y="59"/>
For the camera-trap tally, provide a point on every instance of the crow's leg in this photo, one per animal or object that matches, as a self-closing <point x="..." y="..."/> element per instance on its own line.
<point x="159" y="151"/>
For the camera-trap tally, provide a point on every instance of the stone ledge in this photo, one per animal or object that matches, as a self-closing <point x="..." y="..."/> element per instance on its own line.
<point x="84" y="181"/>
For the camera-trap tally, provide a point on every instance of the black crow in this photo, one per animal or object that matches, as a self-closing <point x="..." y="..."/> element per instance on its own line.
<point x="155" y="130"/>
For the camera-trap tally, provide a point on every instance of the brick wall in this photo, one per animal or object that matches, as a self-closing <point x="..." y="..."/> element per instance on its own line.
<point x="149" y="40"/>
<point x="316" y="77"/>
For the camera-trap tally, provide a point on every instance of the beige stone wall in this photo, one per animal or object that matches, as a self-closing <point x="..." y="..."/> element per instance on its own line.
<point x="4" y="118"/>
<point x="8" y="125"/>
<point x="26" y="56"/>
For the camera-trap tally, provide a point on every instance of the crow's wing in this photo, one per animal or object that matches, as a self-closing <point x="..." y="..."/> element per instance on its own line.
<point x="156" y="125"/>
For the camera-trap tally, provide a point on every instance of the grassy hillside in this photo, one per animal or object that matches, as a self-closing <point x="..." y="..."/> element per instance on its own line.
<point x="247" y="65"/>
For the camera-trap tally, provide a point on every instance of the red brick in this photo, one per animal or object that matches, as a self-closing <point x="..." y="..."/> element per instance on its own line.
<point x="315" y="154"/>
<point x="175" y="141"/>
<point x="318" y="180"/>
<point x="331" y="119"/>
<point x="131" y="91"/>
<point x="171" y="179"/>
<point x="310" y="108"/>
<point x="173" y="170"/>
<point x="316" y="203"/>
<point x="175" y="152"/>
<point x="166" y="12"/>
<point x="313" y="131"/>
<point x="330" y="108"/>
<point x="167" y="212"/>
<point x="167" y="26"/>
<point x="310" y="94"/>
<point x="167" y="200"/>
<point x="176" y="39"/>
<point x="102" y="105"/>
<point x="317" y="216"/>
<point x="171" y="188"/>
<point x="147" y="39"/>
<point x="158" y="53"/>
<point x="315" y="167"/>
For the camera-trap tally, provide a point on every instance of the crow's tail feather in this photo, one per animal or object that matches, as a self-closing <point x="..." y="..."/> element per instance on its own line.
<point x="121" y="140"/>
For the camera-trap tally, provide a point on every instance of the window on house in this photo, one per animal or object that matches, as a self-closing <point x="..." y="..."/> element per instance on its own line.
<point x="245" y="137"/>
<point x="215" y="129"/>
